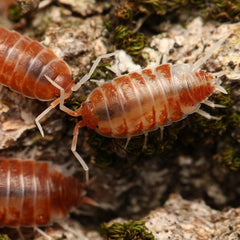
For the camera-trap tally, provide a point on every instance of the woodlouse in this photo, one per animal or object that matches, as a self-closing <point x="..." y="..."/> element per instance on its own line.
<point x="35" y="71"/>
<point x="33" y="194"/>
<point x="144" y="100"/>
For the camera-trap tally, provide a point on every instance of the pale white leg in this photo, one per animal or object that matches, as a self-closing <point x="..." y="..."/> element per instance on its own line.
<point x="76" y="154"/>
<point x="161" y="132"/>
<point x="43" y="233"/>
<point x="221" y="89"/>
<point x="219" y="74"/>
<point x="40" y="116"/>
<point x="20" y="233"/>
<point x="140" y="23"/>
<point x="99" y="82"/>
<point x="213" y="105"/>
<point x="127" y="142"/>
<point x="206" y="115"/>
<point x="145" y="140"/>
<point x="209" y="53"/>
<point x="44" y="3"/>
<point x="87" y="76"/>
<point x="59" y="101"/>
<point x="115" y="70"/>
<point x="62" y="95"/>
<point x="164" y="59"/>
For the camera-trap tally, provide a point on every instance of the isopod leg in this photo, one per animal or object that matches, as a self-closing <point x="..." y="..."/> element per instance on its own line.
<point x="59" y="101"/>
<point x="76" y="154"/>
<point x="206" y="115"/>
<point x="87" y="76"/>
<point x="75" y="113"/>
<point x="39" y="117"/>
<point x="42" y="233"/>
<point x="127" y="142"/>
<point x="219" y="74"/>
<point x="20" y="233"/>
<point x="164" y="59"/>
<point x="45" y="112"/>
<point x="215" y="47"/>
<point x="161" y="132"/>
<point x="145" y="141"/>
<point x="213" y="105"/>
<point x="221" y="89"/>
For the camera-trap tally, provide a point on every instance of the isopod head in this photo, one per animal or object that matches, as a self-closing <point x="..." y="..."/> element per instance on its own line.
<point x="89" y="115"/>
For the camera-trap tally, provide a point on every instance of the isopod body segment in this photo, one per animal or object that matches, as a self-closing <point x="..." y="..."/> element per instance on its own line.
<point x="33" y="194"/>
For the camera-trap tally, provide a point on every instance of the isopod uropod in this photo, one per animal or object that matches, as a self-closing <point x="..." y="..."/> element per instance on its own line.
<point x="129" y="105"/>
<point x="33" y="194"/>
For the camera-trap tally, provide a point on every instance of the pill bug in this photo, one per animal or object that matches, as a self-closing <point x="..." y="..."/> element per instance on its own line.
<point x="34" y="194"/>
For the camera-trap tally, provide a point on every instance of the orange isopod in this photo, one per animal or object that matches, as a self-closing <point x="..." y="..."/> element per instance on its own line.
<point x="33" y="194"/>
<point x="144" y="100"/>
<point x="35" y="71"/>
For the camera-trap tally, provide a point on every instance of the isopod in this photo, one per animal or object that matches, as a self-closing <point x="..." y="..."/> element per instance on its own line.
<point x="35" y="71"/>
<point x="33" y="194"/>
<point x="148" y="99"/>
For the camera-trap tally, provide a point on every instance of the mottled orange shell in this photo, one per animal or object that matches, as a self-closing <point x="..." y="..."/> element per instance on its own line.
<point x="142" y="101"/>
<point x="33" y="194"/>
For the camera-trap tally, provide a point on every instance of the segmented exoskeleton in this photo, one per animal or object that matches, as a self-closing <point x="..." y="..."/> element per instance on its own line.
<point x="33" y="194"/>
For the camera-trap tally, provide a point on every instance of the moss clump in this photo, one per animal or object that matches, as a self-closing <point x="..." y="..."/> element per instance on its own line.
<point x="14" y="13"/>
<point x="126" y="231"/>
<point x="75" y="101"/>
<point x="225" y="10"/>
<point x="159" y="7"/>
<point x="4" y="237"/>
<point x="124" y="38"/>
<point x="216" y="9"/>
<point x="231" y="157"/>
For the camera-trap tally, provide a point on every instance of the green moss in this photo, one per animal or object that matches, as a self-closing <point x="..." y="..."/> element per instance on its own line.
<point x="124" y="38"/>
<point x="159" y="7"/>
<point x="216" y="9"/>
<point x="14" y="13"/>
<point x="225" y="10"/>
<point x="231" y="157"/>
<point x="4" y="237"/>
<point x="126" y="231"/>
<point x="74" y="102"/>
